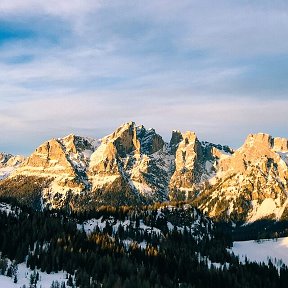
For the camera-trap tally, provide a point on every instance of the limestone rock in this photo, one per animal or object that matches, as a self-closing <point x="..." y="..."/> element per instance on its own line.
<point x="250" y="184"/>
<point x="195" y="164"/>
<point x="134" y="165"/>
<point x="131" y="155"/>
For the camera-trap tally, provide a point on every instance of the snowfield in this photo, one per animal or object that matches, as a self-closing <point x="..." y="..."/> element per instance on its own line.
<point x="5" y="172"/>
<point x="276" y="250"/>
<point x="23" y="277"/>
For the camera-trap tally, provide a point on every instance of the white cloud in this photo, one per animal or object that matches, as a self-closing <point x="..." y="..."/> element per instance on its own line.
<point x="52" y="7"/>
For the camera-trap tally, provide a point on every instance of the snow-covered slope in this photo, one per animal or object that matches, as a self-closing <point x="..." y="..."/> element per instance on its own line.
<point x="8" y="163"/>
<point x="157" y="222"/>
<point x="275" y="250"/>
<point x="23" y="276"/>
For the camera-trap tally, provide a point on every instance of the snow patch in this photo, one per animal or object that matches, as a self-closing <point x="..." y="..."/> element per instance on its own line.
<point x="100" y="181"/>
<point x="7" y="208"/>
<point x="276" y="250"/>
<point x="284" y="157"/>
<point x="23" y="278"/>
<point x="266" y="208"/>
<point x="5" y="172"/>
<point x="143" y="188"/>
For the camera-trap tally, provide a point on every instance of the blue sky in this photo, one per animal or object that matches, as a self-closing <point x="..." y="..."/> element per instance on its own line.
<point x="218" y="68"/>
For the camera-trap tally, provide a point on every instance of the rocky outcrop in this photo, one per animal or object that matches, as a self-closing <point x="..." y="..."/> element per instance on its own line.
<point x="150" y="142"/>
<point x="250" y="184"/>
<point x="63" y="162"/>
<point x="188" y="166"/>
<point x="195" y="164"/>
<point x="131" y="155"/>
<point x="50" y="159"/>
<point x="57" y="158"/>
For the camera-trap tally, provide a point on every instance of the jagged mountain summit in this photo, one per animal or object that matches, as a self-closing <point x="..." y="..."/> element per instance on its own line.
<point x="130" y="166"/>
<point x="134" y="165"/>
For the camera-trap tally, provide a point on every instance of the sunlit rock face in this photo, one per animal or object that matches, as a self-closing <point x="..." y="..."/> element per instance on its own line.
<point x="134" y="156"/>
<point x="64" y="162"/>
<point x="129" y="166"/>
<point x="252" y="183"/>
<point x="195" y="163"/>
<point x="133" y="165"/>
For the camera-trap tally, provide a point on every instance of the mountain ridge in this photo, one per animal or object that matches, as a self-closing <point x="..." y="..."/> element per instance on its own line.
<point x="134" y="165"/>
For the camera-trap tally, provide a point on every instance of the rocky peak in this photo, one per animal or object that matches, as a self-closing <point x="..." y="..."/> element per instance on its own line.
<point x="69" y="143"/>
<point x="125" y="139"/>
<point x="128" y="156"/>
<point x="280" y="144"/>
<point x="75" y="144"/>
<point x="49" y="156"/>
<point x="252" y="182"/>
<point x="78" y="149"/>
<point x="4" y="158"/>
<point x="195" y="164"/>
<point x="150" y="141"/>
<point x="189" y="166"/>
<point x="130" y="139"/>
<point x="189" y="149"/>
<point x="255" y="148"/>
<point x="176" y="138"/>
<point x="260" y="140"/>
<point x="57" y="157"/>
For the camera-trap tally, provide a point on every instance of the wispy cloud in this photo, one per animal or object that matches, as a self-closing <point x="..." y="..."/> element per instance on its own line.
<point x="53" y="7"/>
<point x="213" y="119"/>
<point x="87" y="66"/>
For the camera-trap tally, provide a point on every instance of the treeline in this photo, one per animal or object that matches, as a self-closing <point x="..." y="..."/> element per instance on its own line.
<point x="261" y="229"/>
<point x="110" y="257"/>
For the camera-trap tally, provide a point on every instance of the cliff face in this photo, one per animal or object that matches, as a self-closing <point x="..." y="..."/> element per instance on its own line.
<point x="129" y="166"/>
<point x="134" y="157"/>
<point x="64" y="163"/>
<point x="251" y="183"/>
<point x="133" y="165"/>
<point x="195" y="163"/>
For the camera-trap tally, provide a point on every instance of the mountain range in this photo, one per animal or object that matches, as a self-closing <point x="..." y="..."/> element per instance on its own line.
<point x="134" y="166"/>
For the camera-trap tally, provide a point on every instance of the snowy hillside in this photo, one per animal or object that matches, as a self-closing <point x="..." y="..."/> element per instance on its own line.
<point x="29" y="278"/>
<point x="152" y="223"/>
<point x="275" y="250"/>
